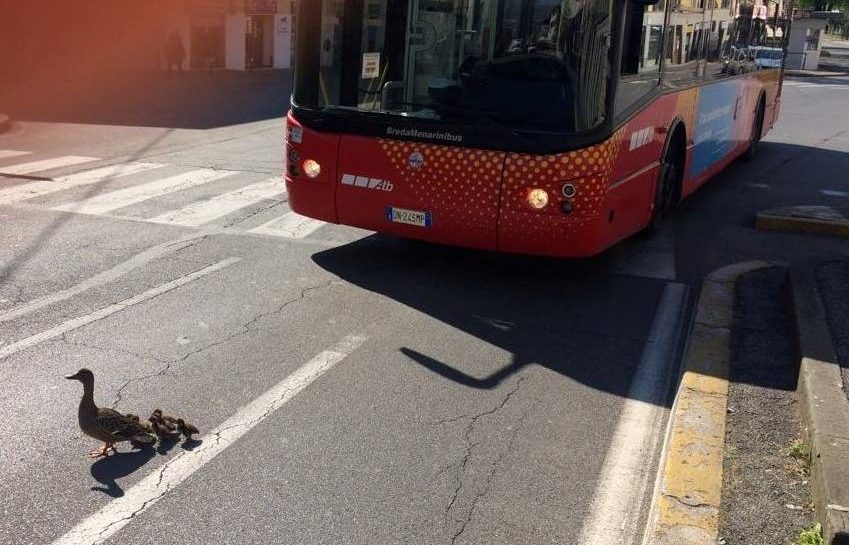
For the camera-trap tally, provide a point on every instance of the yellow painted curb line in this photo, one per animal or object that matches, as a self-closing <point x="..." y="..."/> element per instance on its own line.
<point x="685" y="506"/>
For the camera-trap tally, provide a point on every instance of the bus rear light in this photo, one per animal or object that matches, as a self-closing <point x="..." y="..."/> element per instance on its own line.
<point x="537" y="198"/>
<point x="312" y="168"/>
<point x="566" y="207"/>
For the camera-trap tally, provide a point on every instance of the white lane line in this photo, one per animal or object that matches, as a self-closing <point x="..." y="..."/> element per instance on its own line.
<point x="196" y="214"/>
<point x="106" y="522"/>
<point x="819" y="85"/>
<point x="289" y="225"/>
<point x="46" y="164"/>
<point x="834" y="193"/>
<point x="758" y="185"/>
<point x="9" y="153"/>
<point x="104" y="277"/>
<point x="625" y="477"/>
<point x="80" y="321"/>
<point x="97" y="175"/>
<point x="106" y="202"/>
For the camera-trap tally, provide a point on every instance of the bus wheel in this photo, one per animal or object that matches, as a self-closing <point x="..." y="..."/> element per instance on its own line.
<point x="668" y="185"/>
<point x="757" y="131"/>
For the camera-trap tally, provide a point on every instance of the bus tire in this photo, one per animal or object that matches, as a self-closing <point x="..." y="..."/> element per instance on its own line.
<point x="757" y="131"/>
<point x="667" y="192"/>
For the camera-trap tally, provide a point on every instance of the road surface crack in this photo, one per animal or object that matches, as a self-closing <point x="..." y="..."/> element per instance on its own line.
<point x="245" y="329"/>
<point x="687" y="501"/>
<point x="464" y="464"/>
<point x="256" y="212"/>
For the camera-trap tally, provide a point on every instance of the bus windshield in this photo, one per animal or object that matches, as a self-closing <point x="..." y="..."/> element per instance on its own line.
<point x="529" y="64"/>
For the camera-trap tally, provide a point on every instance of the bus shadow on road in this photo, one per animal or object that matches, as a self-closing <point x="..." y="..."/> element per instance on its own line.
<point x="568" y="316"/>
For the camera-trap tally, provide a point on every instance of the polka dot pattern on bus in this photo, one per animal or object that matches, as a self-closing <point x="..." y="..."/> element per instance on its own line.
<point x="451" y="177"/>
<point x="590" y="170"/>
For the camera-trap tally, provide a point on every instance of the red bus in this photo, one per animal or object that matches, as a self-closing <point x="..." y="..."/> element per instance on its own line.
<point x="553" y="127"/>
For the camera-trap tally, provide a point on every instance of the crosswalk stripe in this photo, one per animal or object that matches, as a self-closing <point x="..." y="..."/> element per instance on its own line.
<point x="44" y="187"/>
<point x="290" y="225"/>
<point x="9" y="153"/>
<point x="46" y="164"/>
<point x="120" y="198"/>
<point x="199" y="213"/>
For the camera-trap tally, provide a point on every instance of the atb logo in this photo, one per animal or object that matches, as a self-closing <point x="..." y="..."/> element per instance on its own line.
<point x="641" y="138"/>
<point x="366" y="182"/>
<point x="416" y="160"/>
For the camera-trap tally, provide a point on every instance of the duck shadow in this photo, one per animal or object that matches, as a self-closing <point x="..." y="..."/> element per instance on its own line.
<point x="107" y="470"/>
<point x="165" y="444"/>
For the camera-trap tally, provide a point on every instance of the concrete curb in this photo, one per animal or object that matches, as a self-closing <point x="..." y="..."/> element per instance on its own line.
<point x="686" y="501"/>
<point x="822" y="220"/>
<point x="5" y="123"/>
<point x="825" y="409"/>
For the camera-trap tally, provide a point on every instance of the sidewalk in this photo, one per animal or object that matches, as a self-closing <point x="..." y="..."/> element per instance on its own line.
<point x="832" y="278"/>
<point x="758" y="440"/>
<point x="193" y="100"/>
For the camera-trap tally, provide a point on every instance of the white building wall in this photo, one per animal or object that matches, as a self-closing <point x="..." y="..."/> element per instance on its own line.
<point x="235" y="26"/>
<point x="282" y="40"/>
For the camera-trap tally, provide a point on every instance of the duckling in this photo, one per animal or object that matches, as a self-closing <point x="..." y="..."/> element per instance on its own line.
<point x="106" y="425"/>
<point x="160" y="430"/>
<point x="186" y="429"/>
<point x="167" y="422"/>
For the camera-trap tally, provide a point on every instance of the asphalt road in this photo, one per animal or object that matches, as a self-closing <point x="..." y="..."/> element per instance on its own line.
<point x="349" y="388"/>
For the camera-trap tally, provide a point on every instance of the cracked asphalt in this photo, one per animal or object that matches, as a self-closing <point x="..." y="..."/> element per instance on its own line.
<point x="479" y="409"/>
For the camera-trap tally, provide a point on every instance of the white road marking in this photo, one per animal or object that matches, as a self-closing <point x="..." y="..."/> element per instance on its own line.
<point x="104" y="277"/>
<point x="44" y="187"/>
<point x="111" y="518"/>
<point x="46" y="164"/>
<point x="81" y="321"/>
<point x="625" y="477"/>
<point x="834" y="193"/>
<point x="809" y="85"/>
<point x="198" y="213"/>
<point x="758" y="185"/>
<point x="289" y="225"/>
<point x="9" y="153"/>
<point x="120" y="198"/>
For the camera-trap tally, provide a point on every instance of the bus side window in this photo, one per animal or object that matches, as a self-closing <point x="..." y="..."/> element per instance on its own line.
<point x="684" y="49"/>
<point x="725" y="52"/>
<point x="639" y="73"/>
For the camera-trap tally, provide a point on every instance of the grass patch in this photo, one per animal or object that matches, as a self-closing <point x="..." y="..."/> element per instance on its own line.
<point x="800" y="451"/>
<point x="811" y="535"/>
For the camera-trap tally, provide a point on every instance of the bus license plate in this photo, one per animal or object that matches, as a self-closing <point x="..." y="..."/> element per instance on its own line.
<point x="408" y="217"/>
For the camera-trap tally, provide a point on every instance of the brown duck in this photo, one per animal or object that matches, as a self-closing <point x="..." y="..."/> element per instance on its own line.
<point x="105" y="424"/>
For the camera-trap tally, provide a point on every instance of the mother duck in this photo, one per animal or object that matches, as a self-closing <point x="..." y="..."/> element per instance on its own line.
<point x="106" y="425"/>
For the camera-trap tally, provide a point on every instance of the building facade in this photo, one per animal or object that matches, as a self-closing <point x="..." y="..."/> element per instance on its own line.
<point x="233" y="34"/>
